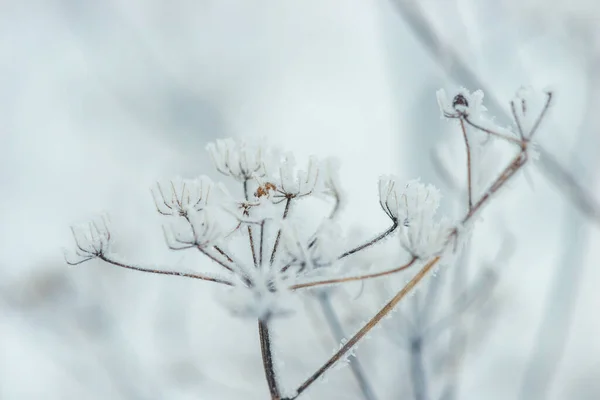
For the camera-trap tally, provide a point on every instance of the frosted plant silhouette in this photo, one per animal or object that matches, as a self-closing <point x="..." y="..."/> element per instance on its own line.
<point x="261" y="245"/>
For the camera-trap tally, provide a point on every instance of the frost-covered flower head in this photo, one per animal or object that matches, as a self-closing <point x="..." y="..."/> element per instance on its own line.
<point x="181" y="196"/>
<point x="463" y="103"/>
<point x="292" y="182"/>
<point x="203" y="229"/>
<point x="414" y="206"/>
<point x="92" y="240"/>
<point x="422" y="234"/>
<point x="237" y="159"/>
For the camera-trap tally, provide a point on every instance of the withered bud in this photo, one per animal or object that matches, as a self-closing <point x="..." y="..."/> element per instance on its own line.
<point x="459" y="100"/>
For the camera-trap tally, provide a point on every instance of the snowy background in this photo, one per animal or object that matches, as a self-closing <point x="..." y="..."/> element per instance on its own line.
<point x="98" y="100"/>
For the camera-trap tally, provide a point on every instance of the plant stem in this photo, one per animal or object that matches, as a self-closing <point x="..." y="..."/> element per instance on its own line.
<point x="267" y="357"/>
<point x="370" y="325"/>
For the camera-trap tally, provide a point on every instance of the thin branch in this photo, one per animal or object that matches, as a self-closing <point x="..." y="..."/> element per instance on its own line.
<point x="371" y="242"/>
<point x="469" y="170"/>
<point x="370" y="325"/>
<point x="252" y="247"/>
<point x="288" y="202"/>
<point x="251" y="239"/>
<point x="490" y="132"/>
<point x="513" y="110"/>
<point x="163" y="272"/>
<point x="354" y="278"/>
<point x="267" y="357"/>
<point x="262" y="243"/>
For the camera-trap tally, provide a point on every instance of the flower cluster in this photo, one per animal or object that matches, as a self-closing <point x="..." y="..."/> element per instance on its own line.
<point x="257" y="239"/>
<point x="267" y="251"/>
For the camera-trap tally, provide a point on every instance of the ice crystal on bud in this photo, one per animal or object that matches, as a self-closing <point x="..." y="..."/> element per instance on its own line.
<point x="237" y="159"/>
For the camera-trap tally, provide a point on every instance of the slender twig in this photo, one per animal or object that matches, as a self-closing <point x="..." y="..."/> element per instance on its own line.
<point x="288" y="202"/>
<point x="267" y="357"/>
<point x="491" y="132"/>
<point x="369" y="325"/>
<point x="262" y="243"/>
<point x="163" y="272"/>
<point x="354" y="278"/>
<point x="371" y="242"/>
<point x="469" y="170"/>
<point x="513" y="110"/>
<point x="252" y="247"/>
<point x="223" y="253"/>
<point x="250" y="237"/>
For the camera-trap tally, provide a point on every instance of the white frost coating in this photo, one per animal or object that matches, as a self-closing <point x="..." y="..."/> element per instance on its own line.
<point x="422" y="235"/>
<point x="266" y="297"/>
<point x="237" y="159"/>
<point x="92" y="239"/>
<point x="180" y="196"/>
<point x="204" y="229"/>
<point x="296" y="182"/>
<point x="415" y="209"/>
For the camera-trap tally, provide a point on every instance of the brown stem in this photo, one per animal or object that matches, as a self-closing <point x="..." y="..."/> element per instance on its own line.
<point x="370" y="325"/>
<point x="354" y="278"/>
<point x="469" y="172"/>
<point x="371" y="242"/>
<point x="267" y="357"/>
<point x="158" y="271"/>
<point x="276" y="245"/>
<point x="490" y="132"/>
<point x="254" y="259"/>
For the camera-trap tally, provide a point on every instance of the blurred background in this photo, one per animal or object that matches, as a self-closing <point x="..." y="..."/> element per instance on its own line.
<point x="98" y="100"/>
